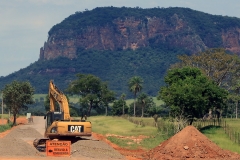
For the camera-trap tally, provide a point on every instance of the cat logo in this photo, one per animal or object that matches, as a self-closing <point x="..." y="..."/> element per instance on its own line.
<point x="74" y="128"/>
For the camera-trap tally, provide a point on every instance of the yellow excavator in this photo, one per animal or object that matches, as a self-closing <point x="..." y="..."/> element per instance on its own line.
<point x="59" y="124"/>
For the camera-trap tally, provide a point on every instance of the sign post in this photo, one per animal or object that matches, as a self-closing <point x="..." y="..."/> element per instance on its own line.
<point x="58" y="148"/>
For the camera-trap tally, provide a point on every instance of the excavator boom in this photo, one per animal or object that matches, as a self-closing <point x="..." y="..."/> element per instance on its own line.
<point x="56" y="95"/>
<point x="59" y="124"/>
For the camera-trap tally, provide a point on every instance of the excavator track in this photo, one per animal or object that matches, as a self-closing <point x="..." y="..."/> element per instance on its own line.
<point x="40" y="144"/>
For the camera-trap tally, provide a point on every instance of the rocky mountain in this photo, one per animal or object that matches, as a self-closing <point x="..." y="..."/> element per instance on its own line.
<point x="118" y="43"/>
<point x="133" y="28"/>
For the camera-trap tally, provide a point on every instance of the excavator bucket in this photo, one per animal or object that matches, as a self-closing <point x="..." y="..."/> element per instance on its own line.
<point x="40" y="144"/>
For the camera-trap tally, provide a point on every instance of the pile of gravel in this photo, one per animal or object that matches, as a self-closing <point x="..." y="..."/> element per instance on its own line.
<point x="19" y="143"/>
<point x="23" y="132"/>
<point x="94" y="149"/>
<point x="13" y="144"/>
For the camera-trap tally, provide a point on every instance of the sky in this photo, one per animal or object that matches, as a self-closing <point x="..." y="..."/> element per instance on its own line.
<point x="24" y="24"/>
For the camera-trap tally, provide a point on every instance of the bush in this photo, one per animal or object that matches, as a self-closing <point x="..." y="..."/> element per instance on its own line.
<point x="5" y="127"/>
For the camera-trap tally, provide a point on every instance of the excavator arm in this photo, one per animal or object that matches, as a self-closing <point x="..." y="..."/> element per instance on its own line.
<point x="56" y="95"/>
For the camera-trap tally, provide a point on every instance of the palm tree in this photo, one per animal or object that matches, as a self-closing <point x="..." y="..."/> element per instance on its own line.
<point x="143" y="100"/>
<point x="123" y="98"/>
<point x="135" y="86"/>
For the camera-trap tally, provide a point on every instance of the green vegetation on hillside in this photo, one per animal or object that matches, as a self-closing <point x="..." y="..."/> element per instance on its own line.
<point x="114" y="67"/>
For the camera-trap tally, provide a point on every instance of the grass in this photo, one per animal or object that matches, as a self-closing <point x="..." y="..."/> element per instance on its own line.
<point x="119" y="126"/>
<point x="148" y="121"/>
<point x="233" y="123"/>
<point x="218" y="136"/>
<point x="5" y="116"/>
<point x="122" y="127"/>
<point x="5" y="127"/>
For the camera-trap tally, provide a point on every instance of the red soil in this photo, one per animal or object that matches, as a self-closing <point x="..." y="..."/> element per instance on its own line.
<point x="129" y="154"/>
<point x="189" y="144"/>
<point x="19" y="121"/>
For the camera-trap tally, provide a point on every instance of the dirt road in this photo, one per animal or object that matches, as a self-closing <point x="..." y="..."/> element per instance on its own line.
<point x="17" y="145"/>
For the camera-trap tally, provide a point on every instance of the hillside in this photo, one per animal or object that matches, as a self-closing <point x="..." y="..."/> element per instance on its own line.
<point x="118" y="43"/>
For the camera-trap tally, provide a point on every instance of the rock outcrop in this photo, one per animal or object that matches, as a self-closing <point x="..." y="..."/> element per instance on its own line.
<point x="132" y="33"/>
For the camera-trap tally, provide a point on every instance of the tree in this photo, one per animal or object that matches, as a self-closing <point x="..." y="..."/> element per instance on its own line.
<point x="107" y="96"/>
<point x="47" y="103"/>
<point x="190" y="94"/>
<point x="123" y="96"/>
<point x="135" y="86"/>
<point x="216" y="63"/>
<point x="234" y="94"/>
<point x="17" y="95"/>
<point x="117" y="107"/>
<point x="142" y="100"/>
<point x="234" y="89"/>
<point x="92" y="90"/>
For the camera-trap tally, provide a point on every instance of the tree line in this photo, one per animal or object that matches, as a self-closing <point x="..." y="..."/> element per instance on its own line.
<point x="199" y="84"/>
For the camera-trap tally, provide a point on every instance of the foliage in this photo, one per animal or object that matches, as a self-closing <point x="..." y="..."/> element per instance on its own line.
<point x="223" y="68"/>
<point x="92" y="90"/>
<point x="146" y="103"/>
<point x="142" y="99"/>
<point x="5" y="127"/>
<point x="47" y="103"/>
<point x="17" y="95"/>
<point x="107" y="96"/>
<point x="117" y="108"/>
<point x="135" y="86"/>
<point x="123" y="96"/>
<point x="216" y="63"/>
<point x="114" y="67"/>
<point x="190" y="94"/>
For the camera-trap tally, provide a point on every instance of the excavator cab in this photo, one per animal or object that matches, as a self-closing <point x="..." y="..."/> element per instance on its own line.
<point x="50" y="117"/>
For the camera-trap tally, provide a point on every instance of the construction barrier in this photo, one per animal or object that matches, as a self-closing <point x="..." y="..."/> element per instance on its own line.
<point x="58" y="148"/>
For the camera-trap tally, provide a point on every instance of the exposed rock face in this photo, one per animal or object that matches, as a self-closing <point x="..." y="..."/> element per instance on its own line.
<point x="231" y="39"/>
<point x="133" y="33"/>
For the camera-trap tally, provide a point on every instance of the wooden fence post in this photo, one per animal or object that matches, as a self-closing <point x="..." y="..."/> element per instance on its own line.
<point x="225" y="127"/>
<point x="238" y="139"/>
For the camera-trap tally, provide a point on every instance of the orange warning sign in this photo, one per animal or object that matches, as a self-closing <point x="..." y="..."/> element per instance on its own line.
<point x="58" y="148"/>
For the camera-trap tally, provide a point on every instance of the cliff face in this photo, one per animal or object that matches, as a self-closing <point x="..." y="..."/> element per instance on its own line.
<point x="133" y="33"/>
<point x="231" y="39"/>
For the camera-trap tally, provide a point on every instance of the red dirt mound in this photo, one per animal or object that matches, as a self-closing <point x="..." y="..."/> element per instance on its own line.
<point x="19" y="120"/>
<point x="189" y="144"/>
